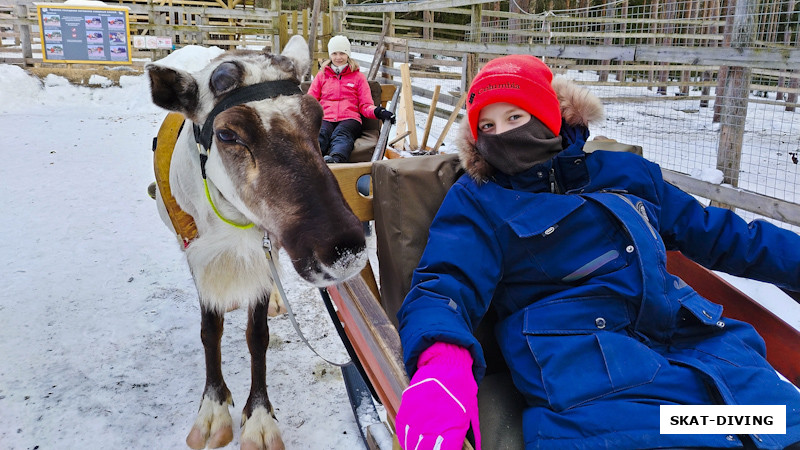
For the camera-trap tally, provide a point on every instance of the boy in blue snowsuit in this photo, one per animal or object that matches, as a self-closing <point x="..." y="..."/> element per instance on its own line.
<point x="570" y="248"/>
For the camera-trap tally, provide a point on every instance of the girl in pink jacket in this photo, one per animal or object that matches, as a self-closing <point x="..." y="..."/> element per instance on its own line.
<point x="344" y="94"/>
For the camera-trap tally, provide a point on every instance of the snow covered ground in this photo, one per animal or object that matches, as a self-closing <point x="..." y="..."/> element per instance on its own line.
<point x="99" y="321"/>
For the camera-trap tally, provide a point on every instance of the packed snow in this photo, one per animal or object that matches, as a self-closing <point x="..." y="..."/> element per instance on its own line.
<point x="99" y="320"/>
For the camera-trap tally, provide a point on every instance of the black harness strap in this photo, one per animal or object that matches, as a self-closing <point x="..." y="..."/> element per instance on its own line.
<point x="255" y="92"/>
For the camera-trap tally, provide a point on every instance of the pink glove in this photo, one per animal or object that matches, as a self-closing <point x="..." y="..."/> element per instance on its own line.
<point x="440" y="402"/>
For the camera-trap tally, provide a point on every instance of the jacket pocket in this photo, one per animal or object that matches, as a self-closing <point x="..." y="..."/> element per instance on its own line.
<point x="706" y="311"/>
<point x="583" y="351"/>
<point x="568" y="225"/>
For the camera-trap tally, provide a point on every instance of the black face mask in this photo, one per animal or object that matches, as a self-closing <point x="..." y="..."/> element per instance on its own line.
<point x="517" y="150"/>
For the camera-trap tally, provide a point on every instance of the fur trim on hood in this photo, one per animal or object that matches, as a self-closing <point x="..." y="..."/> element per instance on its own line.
<point x="578" y="107"/>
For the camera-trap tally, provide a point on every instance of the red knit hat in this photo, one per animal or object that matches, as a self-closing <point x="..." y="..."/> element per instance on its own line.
<point x="522" y="80"/>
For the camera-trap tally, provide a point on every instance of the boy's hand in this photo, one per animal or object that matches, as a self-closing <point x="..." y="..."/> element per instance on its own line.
<point x="440" y="403"/>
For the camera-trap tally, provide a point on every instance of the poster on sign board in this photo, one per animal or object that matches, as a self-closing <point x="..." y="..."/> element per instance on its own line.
<point x="84" y="34"/>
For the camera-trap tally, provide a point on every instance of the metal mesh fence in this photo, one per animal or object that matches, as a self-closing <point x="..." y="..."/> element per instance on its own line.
<point x="688" y="23"/>
<point x="693" y="118"/>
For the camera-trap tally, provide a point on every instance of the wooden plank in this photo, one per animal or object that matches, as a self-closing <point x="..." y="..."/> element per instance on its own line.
<point x="312" y="38"/>
<point x="374" y="339"/>
<point x="398" y="137"/>
<point x="450" y="121"/>
<point x="778" y="209"/>
<point x="429" y="122"/>
<point x="785" y="59"/>
<point x="380" y="51"/>
<point x="408" y="101"/>
<point x="783" y="351"/>
<point x="347" y="175"/>
<point x="428" y="5"/>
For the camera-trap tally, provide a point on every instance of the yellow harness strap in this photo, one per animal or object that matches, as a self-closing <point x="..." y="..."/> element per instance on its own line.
<point x="182" y="222"/>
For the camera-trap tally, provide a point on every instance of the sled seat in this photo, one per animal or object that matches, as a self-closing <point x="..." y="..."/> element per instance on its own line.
<point x="364" y="146"/>
<point x="406" y="194"/>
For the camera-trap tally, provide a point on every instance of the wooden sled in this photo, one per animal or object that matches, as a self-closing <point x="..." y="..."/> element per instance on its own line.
<point x="406" y="195"/>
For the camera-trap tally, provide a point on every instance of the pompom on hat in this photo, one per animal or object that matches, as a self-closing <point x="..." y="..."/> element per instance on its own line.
<point x="522" y="80"/>
<point x="339" y="44"/>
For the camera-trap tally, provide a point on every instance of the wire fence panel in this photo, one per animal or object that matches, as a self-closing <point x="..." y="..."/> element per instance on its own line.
<point x="683" y="78"/>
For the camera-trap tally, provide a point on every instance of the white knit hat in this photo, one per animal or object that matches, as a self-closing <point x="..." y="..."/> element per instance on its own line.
<point x="339" y="44"/>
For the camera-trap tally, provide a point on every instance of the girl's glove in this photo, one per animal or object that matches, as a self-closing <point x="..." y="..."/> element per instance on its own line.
<point x="383" y="113"/>
<point x="440" y="402"/>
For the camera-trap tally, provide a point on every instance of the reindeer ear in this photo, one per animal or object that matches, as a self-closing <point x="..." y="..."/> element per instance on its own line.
<point x="173" y="89"/>
<point x="297" y="51"/>
<point x="226" y="77"/>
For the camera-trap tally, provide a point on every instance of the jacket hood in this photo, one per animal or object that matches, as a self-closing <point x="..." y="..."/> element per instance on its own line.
<point x="579" y="108"/>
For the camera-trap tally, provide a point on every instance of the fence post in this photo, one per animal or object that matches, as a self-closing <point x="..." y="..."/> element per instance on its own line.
<point x="654" y="30"/>
<point x="469" y="61"/>
<point x="737" y="87"/>
<point x="686" y="76"/>
<point x="336" y="19"/>
<point x="710" y="15"/>
<point x="794" y="80"/>
<point x="670" y="10"/>
<point x="794" y="83"/>
<point x="305" y="23"/>
<point x="283" y="32"/>
<point x="608" y="27"/>
<point x="312" y="36"/>
<point x="722" y="74"/>
<point x="24" y="35"/>
<point x="623" y="27"/>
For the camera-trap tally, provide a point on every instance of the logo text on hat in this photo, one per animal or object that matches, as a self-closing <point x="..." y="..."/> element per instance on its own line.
<point x="507" y="85"/>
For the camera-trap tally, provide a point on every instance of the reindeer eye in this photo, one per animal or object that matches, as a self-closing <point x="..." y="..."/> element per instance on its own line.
<point x="226" y="135"/>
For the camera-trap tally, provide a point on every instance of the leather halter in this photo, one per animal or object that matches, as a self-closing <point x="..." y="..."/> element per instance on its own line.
<point x="261" y="91"/>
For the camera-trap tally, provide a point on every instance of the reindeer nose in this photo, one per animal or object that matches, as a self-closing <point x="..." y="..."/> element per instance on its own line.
<point x="348" y="251"/>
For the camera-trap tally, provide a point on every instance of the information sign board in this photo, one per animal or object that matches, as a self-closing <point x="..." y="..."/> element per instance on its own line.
<point x="84" y="34"/>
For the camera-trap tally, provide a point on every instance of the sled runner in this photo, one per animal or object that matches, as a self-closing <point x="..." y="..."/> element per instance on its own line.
<point x="406" y="195"/>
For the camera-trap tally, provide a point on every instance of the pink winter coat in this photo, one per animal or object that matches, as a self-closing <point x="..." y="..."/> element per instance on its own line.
<point x="344" y="96"/>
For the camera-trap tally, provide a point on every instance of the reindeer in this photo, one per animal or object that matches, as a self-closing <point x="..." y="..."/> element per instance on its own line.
<point x="251" y="138"/>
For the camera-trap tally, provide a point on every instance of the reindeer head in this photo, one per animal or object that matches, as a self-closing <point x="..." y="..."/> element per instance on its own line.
<point x="259" y="135"/>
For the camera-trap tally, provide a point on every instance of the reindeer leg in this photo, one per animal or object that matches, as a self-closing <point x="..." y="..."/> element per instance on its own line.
<point x="213" y="426"/>
<point x="259" y="429"/>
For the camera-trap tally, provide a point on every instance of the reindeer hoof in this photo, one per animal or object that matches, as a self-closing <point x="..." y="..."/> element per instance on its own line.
<point x="196" y="440"/>
<point x="260" y="432"/>
<point x="213" y="426"/>
<point x="221" y="438"/>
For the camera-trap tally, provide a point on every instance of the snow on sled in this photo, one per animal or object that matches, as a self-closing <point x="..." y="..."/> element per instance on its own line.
<point x="406" y="193"/>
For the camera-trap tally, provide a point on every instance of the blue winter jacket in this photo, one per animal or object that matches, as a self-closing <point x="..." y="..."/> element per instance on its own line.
<point x="597" y="334"/>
